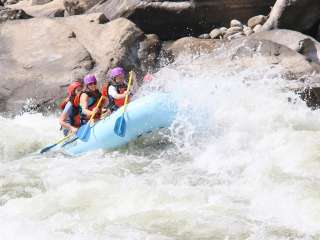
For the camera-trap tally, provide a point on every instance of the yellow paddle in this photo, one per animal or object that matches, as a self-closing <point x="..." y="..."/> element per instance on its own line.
<point x="120" y="125"/>
<point x="55" y="144"/>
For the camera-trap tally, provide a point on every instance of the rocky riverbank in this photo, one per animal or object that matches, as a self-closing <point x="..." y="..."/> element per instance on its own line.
<point x="47" y="44"/>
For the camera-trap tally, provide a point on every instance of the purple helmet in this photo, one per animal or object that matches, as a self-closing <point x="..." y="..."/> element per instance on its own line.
<point x="117" y="71"/>
<point x="89" y="79"/>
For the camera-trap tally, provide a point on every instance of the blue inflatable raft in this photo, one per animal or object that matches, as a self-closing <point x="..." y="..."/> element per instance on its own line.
<point x="142" y="115"/>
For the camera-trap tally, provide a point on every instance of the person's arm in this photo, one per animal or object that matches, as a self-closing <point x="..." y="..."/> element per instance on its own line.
<point x="84" y="105"/>
<point x="63" y="120"/>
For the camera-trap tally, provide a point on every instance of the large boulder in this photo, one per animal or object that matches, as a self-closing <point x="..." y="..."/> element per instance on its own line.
<point x="298" y="15"/>
<point x="190" y="47"/>
<point x="296" y="41"/>
<point x="38" y="59"/>
<point x="119" y="42"/>
<point x="247" y="53"/>
<point x="148" y="52"/>
<point x="174" y="19"/>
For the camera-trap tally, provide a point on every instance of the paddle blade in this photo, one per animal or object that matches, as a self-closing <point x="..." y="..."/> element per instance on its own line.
<point x="47" y="148"/>
<point x="83" y="132"/>
<point x="120" y="126"/>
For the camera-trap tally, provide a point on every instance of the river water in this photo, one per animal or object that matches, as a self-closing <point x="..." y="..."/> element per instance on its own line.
<point x="241" y="161"/>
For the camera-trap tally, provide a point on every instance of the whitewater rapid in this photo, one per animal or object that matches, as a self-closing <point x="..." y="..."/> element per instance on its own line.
<point x="241" y="161"/>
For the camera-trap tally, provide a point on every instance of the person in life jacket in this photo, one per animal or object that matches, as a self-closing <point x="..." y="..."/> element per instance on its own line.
<point x="116" y="89"/>
<point x="70" y="117"/>
<point x="89" y="99"/>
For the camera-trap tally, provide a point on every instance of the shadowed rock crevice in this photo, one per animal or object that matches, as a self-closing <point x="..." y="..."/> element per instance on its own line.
<point x="12" y="14"/>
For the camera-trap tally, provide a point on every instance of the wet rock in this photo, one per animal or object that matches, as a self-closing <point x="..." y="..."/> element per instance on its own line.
<point x="223" y="30"/>
<point x="204" y="36"/>
<point x="233" y="30"/>
<point x="235" y="36"/>
<point x="247" y="30"/>
<point x="190" y="47"/>
<point x="258" y="28"/>
<point x="248" y="52"/>
<point x="257" y="20"/>
<point x="307" y="47"/>
<point x="148" y="52"/>
<point x="216" y="33"/>
<point x="296" y="41"/>
<point x="236" y="23"/>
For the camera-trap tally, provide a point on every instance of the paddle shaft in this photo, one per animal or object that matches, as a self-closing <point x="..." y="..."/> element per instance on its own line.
<point x="127" y="95"/>
<point x="98" y="105"/>
<point x="69" y="135"/>
<point x="55" y="144"/>
<point x="120" y="125"/>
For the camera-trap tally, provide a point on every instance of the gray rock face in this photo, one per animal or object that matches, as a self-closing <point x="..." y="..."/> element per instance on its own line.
<point x="296" y="41"/>
<point x="174" y="19"/>
<point x="190" y="47"/>
<point x="119" y="42"/>
<point x="245" y="53"/>
<point x="40" y="65"/>
<point x="298" y="15"/>
<point x="248" y="51"/>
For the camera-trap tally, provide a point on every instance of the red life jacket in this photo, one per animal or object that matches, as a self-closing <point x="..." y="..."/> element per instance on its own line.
<point x="114" y="104"/>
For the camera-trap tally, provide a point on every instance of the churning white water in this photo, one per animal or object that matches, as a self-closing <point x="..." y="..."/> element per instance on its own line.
<point x="241" y="161"/>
